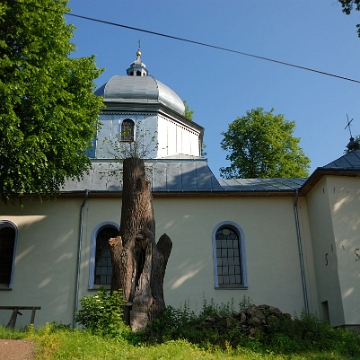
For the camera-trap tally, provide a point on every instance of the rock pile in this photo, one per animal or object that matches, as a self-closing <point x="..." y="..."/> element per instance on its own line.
<point x="249" y="320"/>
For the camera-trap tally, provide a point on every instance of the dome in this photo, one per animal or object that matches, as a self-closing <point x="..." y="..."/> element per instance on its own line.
<point x="140" y="90"/>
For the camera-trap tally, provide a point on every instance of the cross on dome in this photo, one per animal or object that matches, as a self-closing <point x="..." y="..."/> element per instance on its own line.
<point x="137" y="68"/>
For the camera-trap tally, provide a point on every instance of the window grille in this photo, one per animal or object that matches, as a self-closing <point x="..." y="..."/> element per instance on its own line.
<point x="229" y="256"/>
<point x="103" y="267"/>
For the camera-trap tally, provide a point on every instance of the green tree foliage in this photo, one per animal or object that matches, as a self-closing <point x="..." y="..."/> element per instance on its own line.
<point x="48" y="112"/>
<point x="262" y="145"/>
<point x="357" y="139"/>
<point x="189" y="113"/>
<point x="348" y="6"/>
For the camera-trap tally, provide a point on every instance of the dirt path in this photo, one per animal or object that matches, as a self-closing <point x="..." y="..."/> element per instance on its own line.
<point x="16" y="350"/>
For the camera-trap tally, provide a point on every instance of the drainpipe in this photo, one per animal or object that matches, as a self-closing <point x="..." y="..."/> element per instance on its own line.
<point x="79" y="256"/>
<point x="303" y="279"/>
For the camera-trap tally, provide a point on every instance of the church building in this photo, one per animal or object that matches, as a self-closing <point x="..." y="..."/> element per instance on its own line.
<point x="289" y="243"/>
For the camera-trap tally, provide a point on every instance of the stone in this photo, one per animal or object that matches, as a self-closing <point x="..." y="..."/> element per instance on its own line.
<point x="251" y="320"/>
<point x="259" y="314"/>
<point x="274" y="311"/>
<point x="287" y="315"/>
<point x="243" y="318"/>
<point x="252" y="331"/>
<point x="255" y="321"/>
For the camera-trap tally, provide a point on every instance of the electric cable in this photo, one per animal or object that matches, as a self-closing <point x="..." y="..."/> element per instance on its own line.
<point x="196" y="43"/>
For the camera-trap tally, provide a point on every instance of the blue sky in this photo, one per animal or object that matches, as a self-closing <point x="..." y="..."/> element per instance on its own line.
<point x="219" y="85"/>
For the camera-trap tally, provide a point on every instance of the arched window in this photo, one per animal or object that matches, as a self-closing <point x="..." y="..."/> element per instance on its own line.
<point x="8" y="243"/>
<point x="100" y="260"/>
<point x="127" y="130"/>
<point x="229" y="256"/>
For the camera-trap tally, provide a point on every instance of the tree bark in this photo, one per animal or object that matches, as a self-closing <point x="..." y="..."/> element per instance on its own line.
<point x="138" y="262"/>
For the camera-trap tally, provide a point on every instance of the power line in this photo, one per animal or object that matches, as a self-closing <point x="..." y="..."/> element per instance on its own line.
<point x="197" y="43"/>
<point x="213" y="47"/>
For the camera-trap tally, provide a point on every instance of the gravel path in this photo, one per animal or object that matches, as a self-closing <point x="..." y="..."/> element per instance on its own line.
<point x="16" y="350"/>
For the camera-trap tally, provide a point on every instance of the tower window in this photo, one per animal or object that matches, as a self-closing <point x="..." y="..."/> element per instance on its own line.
<point x="127" y="130"/>
<point x="138" y="73"/>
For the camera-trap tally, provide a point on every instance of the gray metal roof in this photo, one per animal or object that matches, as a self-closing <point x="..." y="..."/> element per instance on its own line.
<point x="348" y="161"/>
<point x="176" y="175"/>
<point x="192" y="175"/>
<point x="261" y="185"/>
<point x="140" y="90"/>
<point x="165" y="176"/>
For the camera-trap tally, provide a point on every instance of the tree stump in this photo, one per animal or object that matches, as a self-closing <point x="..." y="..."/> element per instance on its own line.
<point x="138" y="262"/>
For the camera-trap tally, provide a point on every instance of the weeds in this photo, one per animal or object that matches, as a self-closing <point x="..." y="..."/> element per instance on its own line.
<point x="102" y="313"/>
<point x="176" y="334"/>
<point x="307" y="334"/>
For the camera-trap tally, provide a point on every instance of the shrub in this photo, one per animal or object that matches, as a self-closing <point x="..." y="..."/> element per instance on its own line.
<point x="172" y="324"/>
<point x="283" y="335"/>
<point x="183" y="323"/>
<point x="102" y="313"/>
<point x="309" y="333"/>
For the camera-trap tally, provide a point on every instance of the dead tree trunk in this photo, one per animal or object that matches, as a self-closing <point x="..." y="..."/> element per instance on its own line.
<point x="139" y="262"/>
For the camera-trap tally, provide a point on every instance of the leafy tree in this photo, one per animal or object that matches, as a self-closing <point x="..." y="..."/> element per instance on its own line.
<point x="48" y="111"/>
<point x="189" y="113"/>
<point x="357" y="138"/>
<point x="352" y="144"/>
<point x="262" y="145"/>
<point x="348" y="6"/>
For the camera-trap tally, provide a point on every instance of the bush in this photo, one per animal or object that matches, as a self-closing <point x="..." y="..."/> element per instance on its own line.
<point x="102" y="313"/>
<point x="172" y="324"/>
<point x="183" y="323"/>
<point x="309" y="333"/>
<point x="283" y="335"/>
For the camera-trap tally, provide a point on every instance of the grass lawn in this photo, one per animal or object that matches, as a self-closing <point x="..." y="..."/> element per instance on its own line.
<point x="54" y="343"/>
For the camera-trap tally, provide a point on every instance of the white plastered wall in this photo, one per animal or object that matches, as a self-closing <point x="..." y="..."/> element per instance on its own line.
<point x="308" y="256"/>
<point x="175" y="138"/>
<point x="46" y="259"/>
<point x="146" y="133"/>
<point x="270" y="239"/>
<point x="268" y="224"/>
<point x="46" y="267"/>
<point x="325" y="250"/>
<point x="344" y="201"/>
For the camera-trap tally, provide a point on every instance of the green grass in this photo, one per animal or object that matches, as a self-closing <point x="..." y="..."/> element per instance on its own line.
<point x="53" y="342"/>
<point x="176" y="334"/>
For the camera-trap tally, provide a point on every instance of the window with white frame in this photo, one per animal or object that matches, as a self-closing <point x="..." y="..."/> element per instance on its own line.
<point x="100" y="260"/>
<point x="8" y="244"/>
<point x="229" y="256"/>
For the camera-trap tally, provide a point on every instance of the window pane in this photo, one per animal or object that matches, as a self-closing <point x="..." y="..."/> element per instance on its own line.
<point x="127" y="130"/>
<point x="228" y="257"/>
<point x="103" y="267"/>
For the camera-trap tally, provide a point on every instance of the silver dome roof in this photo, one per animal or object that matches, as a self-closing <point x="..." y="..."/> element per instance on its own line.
<point x="140" y="90"/>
